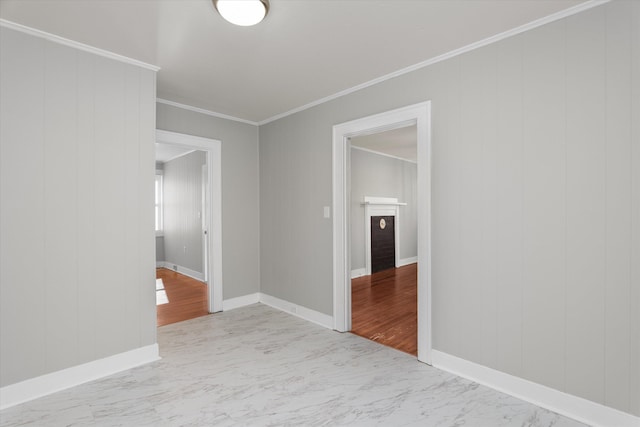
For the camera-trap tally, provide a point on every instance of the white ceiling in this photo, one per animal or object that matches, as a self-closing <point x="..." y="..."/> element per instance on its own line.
<point x="167" y="152"/>
<point x="401" y="143"/>
<point x="305" y="50"/>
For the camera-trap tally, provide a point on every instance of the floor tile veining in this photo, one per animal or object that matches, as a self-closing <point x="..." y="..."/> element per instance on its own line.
<point x="257" y="366"/>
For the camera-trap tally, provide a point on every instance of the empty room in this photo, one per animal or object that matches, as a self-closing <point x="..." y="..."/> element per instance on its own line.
<point x="290" y="203"/>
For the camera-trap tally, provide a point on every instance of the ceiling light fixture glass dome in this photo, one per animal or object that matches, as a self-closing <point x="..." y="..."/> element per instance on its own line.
<point x="242" y="12"/>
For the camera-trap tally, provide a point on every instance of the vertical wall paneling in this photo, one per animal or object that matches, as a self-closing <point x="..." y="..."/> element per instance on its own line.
<point x="302" y="220"/>
<point x="182" y="199"/>
<point x="60" y="206"/>
<point x="109" y="186"/>
<point x="617" y="167"/>
<point x="509" y="213"/>
<point x="159" y="249"/>
<point x="77" y="134"/>
<point x="445" y="213"/>
<point x="471" y="201"/>
<point x="488" y="206"/>
<point x="544" y="222"/>
<point x="131" y="177"/>
<point x="634" y="292"/>
<point x="146" y="203"/>
<point x="409" y="215"/>
<point x="88" y="230"/>
<point x="267" y="191"/>
<point x="22" y="207"/>
<point x="585" y="204"/>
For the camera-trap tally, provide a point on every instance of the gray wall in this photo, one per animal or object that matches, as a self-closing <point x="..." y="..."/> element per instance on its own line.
<point x="76" y="200"/>
<point x="240" y="199"/>
<point x="383" y="176"/>
<point x="160" y="249"/>
<point x="535" y="202"/>
<point x="159" y="239"/>
<point x="182" y="210"/>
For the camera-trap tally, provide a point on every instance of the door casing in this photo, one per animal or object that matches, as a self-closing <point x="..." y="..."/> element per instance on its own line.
<point x="213" y="213"/>
<point x="420" y="115"/>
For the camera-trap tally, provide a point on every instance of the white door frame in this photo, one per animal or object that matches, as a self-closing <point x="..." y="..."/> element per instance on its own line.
<point x="420" y="115"/>
<point x="204" y="220"/>
<point x="213" y="150"/>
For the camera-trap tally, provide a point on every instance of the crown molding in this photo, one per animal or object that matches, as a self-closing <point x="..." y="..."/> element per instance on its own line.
<point x="76" y="45"/>
<point x="203" y="111"/>
<point x="380" y="153"/>
<point x="489" y="40"/>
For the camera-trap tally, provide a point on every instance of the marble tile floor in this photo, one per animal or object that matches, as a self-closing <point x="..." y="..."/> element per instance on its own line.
<point x="256" y="366"/>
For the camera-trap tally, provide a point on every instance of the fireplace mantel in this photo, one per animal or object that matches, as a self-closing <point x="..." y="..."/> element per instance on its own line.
<point x="382" y="201"/>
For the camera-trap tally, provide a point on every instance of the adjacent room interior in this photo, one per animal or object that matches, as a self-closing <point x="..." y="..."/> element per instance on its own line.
<point x="527" y="183"/>
<point x="384" y="250"/>
<point x="181" y="255"/>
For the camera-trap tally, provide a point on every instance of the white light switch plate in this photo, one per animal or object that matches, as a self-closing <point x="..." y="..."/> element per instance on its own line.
<point x="327" y="212"/>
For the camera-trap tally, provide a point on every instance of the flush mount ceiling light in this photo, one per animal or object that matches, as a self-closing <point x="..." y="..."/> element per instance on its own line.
<point x="242" y="12"/>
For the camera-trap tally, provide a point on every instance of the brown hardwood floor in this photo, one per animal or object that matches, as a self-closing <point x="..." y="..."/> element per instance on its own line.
<point x="187" y="297"/>
<point x="384" y="308"/>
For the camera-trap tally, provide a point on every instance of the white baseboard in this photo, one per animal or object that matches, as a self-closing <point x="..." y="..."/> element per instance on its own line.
<point x="407" y="261"/>
<point x="34" y="388"/>
<point x="231" y="303"/>
<point x="298" y="310"/>
<point x="585" y="411"/>
<point x="358" y="272"/>
<point x="159" y="264"/>
<point x="277" y="303"/>
<point x="182" y="270"/>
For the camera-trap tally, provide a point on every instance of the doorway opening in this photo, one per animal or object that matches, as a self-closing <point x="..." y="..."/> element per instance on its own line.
<point x="179" y="297"/>
<point x="384" y="252"/>
<point x="188" y="226"/>
<point x="180" y="217"/>
<point x="418" y="115"/>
